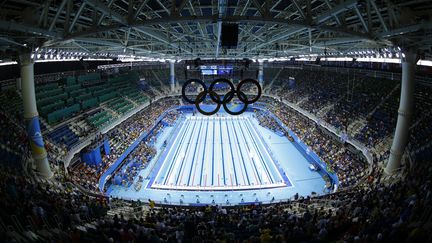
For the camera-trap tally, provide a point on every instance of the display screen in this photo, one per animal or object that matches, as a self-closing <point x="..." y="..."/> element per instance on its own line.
<point x="208" y="71"/>
<point x="216" y="70"/>
<point x="225" y="70"/>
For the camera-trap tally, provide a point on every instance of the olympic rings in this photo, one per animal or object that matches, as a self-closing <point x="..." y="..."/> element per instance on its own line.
<point x="231" y="94"/>
<point x="221" y="80"/>
<point x="194" y="81"/>
<point x="200" y="95"/>
<point x="226" y="98"/>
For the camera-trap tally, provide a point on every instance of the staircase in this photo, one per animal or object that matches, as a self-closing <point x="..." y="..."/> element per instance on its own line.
<point x="324" y="110"/>
<point x="48" y="127"/>
<point x="115" y="114"/>
<point x="356" y="126"/>
<point x="423" y="147"/>
<point x="156" y="91"/>
<point x="272" y="81"/>
<point x="131" y="101"/>
<point x="383" y="146"/>
<point x="302" y="100"/>
<point x="163" y="86"/>
<point x="384" y="100"/>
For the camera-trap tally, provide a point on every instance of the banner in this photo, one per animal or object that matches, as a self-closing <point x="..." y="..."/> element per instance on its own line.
<point x="35" y="135"/>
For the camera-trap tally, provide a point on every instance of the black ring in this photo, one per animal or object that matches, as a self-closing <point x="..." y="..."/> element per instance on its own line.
<point x="223" y="80"/>
<point x="239" y="93"/>
<point x="216" y="98"/>
<point x="184" y="90"/>
<point x="249" y="80"/>
<point x="204" y="94"/>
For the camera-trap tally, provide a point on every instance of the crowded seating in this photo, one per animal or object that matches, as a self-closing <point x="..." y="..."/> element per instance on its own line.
<point x="370" y="207"/>
<point x="378" y="210"/>
<point x="120" y="138"/>
<point x="349" y="166"/>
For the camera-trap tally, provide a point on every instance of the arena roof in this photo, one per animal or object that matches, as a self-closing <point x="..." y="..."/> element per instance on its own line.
<point x="187" y="29"/>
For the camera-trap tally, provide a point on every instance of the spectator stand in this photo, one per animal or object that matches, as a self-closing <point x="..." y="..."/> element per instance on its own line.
<point x="108" y="173"/>
<point x="325" y="171"/>
<point x="358" y="145"/>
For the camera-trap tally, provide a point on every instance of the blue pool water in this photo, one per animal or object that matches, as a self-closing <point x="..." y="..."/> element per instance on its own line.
<point x="223" y="160"/>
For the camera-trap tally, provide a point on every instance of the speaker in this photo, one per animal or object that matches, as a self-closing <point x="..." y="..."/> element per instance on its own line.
<point x="229" y="35"/>
<point x="246" y="62"/>
<point x="197" y="62"/>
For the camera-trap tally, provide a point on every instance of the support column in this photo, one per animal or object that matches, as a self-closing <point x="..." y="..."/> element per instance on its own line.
<point x="405" y="111"/>
<point x="261" y="73"/>
<point x="31" y="116"/>
<point x="172" y="75"/>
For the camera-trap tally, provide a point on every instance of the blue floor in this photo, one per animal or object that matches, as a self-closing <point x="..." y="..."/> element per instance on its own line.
<point x="290" y="161"/>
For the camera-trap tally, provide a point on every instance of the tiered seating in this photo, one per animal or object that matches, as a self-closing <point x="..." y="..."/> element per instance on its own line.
<point x="163" y="75"/>
<point x="89" y="78"/>
<point x="152" y="80"/>
<point x="366" y="95"/>
<point x="100" y="119"/>
<point x="269" y="74"/>
<point x="422" y="127"/>
<point x="58" y="101"/>
<point x="120" y="105"/>
<point x="381" y="123"/>
<point x="66" y="112"/>
<point x="50" y="97"/>
<point x="12" y="102"/>
<point x="137" y="97"/>
<point x="7" y="155"/>
<point x="180" y="75"/>
<point x="64" y="135"/>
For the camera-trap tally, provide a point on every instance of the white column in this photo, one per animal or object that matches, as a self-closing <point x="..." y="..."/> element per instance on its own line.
<point x="172" y="75"/>
<point x="31" y="116"/>
<point x="18" y="84"/>
<point x="406" y="106"/>
<point x="261" y="72"/>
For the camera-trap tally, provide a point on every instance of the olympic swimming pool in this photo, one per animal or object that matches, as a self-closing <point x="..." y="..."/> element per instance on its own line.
<point x="219" y="153"/>
<point x="259" y="165"/>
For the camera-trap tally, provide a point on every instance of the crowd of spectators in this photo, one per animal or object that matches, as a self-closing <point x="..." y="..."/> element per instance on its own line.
<point x="11" y="136"/>
<point x="32" y="211"/>
<point x="137" y="160"/>
<point x="120" y="138"/>
<point x="366" y="94"/>
<point x="349" y="166"/>
<point x="343" y="99"/>
<point x="171" y="117"/>
<point x="316" y="89"/>
<point x="377" y="210"/>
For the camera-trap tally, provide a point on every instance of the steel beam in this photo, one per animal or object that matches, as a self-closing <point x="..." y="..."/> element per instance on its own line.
<point x="221" y="10"/>
<point x="139" y="9"/>
<point x="372" y="2"/>
<point x="335" y="16"/>
<point x="12" y="26"/>
<point x="120" y="19"/>
<point x="359" y="15"/>
<point x="59" y="10"/>
<point x="77" y="15"/>
<point x="319" y="19"/>
<point x="299" y="9"/>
